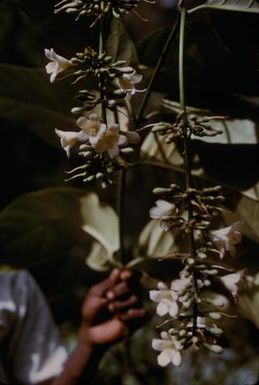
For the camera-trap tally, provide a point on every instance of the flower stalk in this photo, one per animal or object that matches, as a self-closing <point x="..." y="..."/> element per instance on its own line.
<point x="187" y="162"/>
<point x="193" y="306"/>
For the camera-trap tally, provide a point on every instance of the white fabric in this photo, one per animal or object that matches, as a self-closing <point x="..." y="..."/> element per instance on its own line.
<point x="31" y="350"/>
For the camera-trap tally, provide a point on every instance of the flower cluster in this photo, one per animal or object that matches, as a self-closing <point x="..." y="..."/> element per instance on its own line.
<point x="89" y="63"/>
<point x="115" y="80"/>
<point x="205" y="203"/>
<point x="97" y="143"/>
<point x="118" y="8"/>
<point x="193" y="312"/>
<point x="191" y="305"/>
<point x="195" y="126"/>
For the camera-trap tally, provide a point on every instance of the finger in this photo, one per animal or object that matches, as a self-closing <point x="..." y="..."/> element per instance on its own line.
<point x="92" y="306"/>
<point x="123" y="305"/>
<point x="117" y="291"/>
<point x="109" y="331"/>
<point x="100" y="288"/>
<point x="125" y="275"/>
<point x="132" y="314"/>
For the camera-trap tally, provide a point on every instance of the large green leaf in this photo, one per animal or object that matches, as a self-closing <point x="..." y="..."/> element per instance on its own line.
<point x="155" y="252"/>
<point x="28" y="100"/>
<point x="154" y="148"/>
<point x="250" y="6"/>
<point x="119" y="45"/>
<point x="56" y="223"/>
<point x="248" y="300"/>
<point x="154" y="242"/>
<point x="246" y="210"/>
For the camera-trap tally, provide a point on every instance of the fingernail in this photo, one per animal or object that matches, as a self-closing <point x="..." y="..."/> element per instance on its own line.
<point x="125" y="274"/>
<point x="110" y="295"/>
<point x="111" y="307"/>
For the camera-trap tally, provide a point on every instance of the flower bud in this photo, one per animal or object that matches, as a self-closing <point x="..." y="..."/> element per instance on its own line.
<point x="127" y="150"/>
<point x="214" y="330"/>
<point x="214" y="315"/>
<point x="132" y="136"/>
<point x="99" y="175"/>
<point x="77" y="110"/>
<point x="213" y="348"/>
<point x="89" y="178"/>
<point x="161" y="190"/>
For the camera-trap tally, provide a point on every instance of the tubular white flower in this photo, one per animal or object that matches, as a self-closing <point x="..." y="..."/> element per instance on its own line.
<point x="181" y="284"/>
<point x="170" y="349"/>
<point x="233" y="281"/>
<point x="56" y="65"/>
<point x="166" y="300"/>
<point x="127" y="81"/>
<point x="161" y="210"/>
<point x="91" y="127"/>
<point x="225" y="239"/>
<point x="109" y="140"/>
<point x="68" y="139"/>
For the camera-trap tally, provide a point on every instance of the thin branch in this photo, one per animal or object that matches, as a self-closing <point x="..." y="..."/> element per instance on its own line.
<point x="157" y="69"/>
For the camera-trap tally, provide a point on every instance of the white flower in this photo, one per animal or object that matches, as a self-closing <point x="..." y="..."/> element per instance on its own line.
<point x="90" y="129"/>
<point x="166" y="299"/>
<point x="161" y="210"/>
<point x="56" y="65"/>
<point x="181" y="284"/>
<point x="225" y="239"/>
<point x="68" y="139"/>
<point x="233" y="281"/>
<point x="109" y="140"/>
<point x="127" y="82"/>
<point x="170" y="348"/>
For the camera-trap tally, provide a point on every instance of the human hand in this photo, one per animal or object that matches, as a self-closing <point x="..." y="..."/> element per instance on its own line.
<point x="109" y="308"/>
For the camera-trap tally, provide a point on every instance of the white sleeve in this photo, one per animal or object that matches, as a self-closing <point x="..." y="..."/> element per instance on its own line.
<point x="35" y="353"/>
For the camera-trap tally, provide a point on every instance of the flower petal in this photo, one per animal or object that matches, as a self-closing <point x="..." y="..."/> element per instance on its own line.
<point x="162" y="308"/>
<point x="176" y="358"/>
<point x="164" y="358"/>
<point x="162" y="208"/>
<point x="114" y="151"/>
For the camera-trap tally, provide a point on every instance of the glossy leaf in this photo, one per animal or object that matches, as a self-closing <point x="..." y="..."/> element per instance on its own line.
<point x="56" y="223"/>
<point x="119" y="45"/>
<point x="249" y="6"/>
<point x="28" y="100"/>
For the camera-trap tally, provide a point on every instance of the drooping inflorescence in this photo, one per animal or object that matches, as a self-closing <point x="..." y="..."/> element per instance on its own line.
<point x="100" y="140"/>
<point x="193" y="304"/>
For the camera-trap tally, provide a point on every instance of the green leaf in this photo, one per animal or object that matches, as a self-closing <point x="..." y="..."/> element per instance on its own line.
<point x="247" y="211"/>
<point x="248" y="300"/>
<point x="154" y="147"/>
<point x="154" y="242"/>
<point x="119" y="45"/>
<point x="56" y="223"/>
<point x="248" y="6"/>
<point x="28" y="100"/>
<point x="101" y="222"/>
<point x="153" y="250"/>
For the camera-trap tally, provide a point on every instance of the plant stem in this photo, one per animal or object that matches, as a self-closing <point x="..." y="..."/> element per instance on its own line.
<point x="188" y="164"/>
<point x="102" y="80"/>
<point x="160" y="61"/>
<point x="120" y="210"/>
<point x="101" y="36"/>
